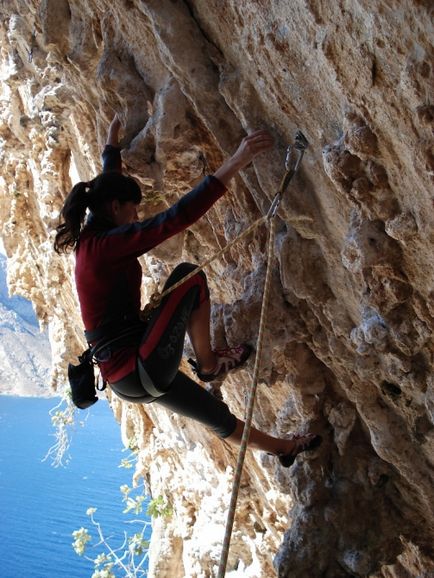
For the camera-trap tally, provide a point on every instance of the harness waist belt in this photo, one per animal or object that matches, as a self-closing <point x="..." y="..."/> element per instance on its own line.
<point x="113" y="330"/>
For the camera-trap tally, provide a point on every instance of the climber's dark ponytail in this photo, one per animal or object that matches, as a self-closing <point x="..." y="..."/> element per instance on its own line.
<point x="73" y="213"/>
<point x="92" y="195"/>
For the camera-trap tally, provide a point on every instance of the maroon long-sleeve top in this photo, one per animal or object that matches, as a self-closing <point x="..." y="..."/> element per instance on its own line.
<point x="108" y="273"/>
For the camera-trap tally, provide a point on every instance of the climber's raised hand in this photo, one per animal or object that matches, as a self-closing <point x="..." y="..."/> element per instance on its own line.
<point x="251" y="146"/>
<point x="113" y="131"/>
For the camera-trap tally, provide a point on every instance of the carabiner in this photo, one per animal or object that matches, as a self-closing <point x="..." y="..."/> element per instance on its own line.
<point x="291" y="166"/>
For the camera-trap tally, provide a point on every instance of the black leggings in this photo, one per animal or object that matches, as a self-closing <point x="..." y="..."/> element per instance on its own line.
<point x="161" y="351"/>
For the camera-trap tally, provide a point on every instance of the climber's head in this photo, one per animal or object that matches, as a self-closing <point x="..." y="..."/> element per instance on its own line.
<point x="110" y="195"/>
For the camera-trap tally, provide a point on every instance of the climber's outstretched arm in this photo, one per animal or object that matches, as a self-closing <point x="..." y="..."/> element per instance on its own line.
<point x="251" y="146"/>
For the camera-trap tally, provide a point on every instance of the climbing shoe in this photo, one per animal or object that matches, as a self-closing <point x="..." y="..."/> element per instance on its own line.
<point x="303" y="443"/>
<point x="228" y="359"/>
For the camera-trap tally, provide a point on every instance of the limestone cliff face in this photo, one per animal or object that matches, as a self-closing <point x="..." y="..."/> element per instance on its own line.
<point x="349" y="351"/>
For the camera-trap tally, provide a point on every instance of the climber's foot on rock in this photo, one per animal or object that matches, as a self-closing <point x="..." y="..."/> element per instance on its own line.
<point x="298" y="444"/>
<point x="228" y="359"/>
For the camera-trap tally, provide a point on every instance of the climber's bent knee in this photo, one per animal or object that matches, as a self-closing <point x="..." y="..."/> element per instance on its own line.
<point x="199" y="280"/>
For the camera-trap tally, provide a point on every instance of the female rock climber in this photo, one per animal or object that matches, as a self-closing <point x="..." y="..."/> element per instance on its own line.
<point x="141" y="359"/>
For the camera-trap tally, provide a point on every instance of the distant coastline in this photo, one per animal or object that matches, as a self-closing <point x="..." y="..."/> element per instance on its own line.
<point x="25" y="352"/>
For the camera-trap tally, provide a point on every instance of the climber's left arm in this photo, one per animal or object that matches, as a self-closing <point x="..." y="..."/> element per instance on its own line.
<point x="111" y="155"/>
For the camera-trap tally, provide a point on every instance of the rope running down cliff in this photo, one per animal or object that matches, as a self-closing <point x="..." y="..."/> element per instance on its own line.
<point x="300" y="145"/>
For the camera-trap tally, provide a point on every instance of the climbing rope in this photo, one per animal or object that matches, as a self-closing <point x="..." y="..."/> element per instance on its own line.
<point x="291" y="166"/>
<point x="156" y="298"/>
<point x="300" y="145"/>
<point x="249" y="409"/>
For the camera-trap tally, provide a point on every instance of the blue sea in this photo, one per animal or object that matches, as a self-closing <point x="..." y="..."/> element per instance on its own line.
<point x="40" y="506"/>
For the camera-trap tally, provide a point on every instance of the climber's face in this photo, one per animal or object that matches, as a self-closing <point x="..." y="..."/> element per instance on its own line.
<point x="123" y="213"/>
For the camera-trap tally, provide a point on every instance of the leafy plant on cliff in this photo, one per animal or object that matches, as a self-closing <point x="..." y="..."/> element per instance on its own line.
<point x="159" y="506"/>
<point x="63" y="420"/>
<point x="128" y="558"/>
